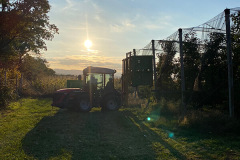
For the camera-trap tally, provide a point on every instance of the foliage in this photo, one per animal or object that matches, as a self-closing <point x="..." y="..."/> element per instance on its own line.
<point x="191" y="59"/>
<point x="117" y="83"/>
<point x="168" y="73"/>
<point x="8" y="86"/>
<point x="144" y="92"/>
<point x="236" y="57"/>
<point x="24" y="27"/>
<point x="6" y="95"/>
<point x="236" y="30"/>
<point x="213" y="64"/>
<point x="167" y="68"/>
<point x="35" y="67"/>
<point x="45" y="85"/>
<point x="10" y="74"/>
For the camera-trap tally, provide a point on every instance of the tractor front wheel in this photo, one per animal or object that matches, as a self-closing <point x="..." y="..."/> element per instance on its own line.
<point x="84" y="104"/>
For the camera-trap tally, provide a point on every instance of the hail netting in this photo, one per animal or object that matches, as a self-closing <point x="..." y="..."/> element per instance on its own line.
<point x="201" y="32"/>
<point x="200" y="38"/>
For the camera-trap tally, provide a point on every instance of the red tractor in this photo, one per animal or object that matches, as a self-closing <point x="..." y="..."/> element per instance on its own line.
<point x="97" y="90"/>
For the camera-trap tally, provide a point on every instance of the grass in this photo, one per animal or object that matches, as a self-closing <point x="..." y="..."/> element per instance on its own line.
<point x="17" y="121"/>
<point x="203" y="134"/>
<point x="32" y="129"/>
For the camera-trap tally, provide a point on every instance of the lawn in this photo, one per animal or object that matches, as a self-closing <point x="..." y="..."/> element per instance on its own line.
<point x="32" y="129"/>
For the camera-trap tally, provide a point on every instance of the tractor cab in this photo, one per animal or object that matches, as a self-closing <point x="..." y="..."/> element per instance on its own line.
<point x="99" y="78"/>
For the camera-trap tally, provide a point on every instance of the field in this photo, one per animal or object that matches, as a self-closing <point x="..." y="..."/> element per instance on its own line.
<point x="32" y="129"/>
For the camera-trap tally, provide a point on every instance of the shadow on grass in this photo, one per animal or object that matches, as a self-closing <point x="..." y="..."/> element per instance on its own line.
<point x="94" y="135"/>
<point x="156" y="138"/>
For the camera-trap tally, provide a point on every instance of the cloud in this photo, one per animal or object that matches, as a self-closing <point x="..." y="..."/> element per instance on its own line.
<point x="93" y="9"/>
<point x="160" y="21"/>
<point x="90" y="51"/>
<point x="104" y="39"/>
<point x="138" y="22"/>
<point x="98" y="18"/>
<point x="69" y="5"/>
<point x="125" y="25"/>
<point x="96" y="7"/>
<point x="80" y="62"/>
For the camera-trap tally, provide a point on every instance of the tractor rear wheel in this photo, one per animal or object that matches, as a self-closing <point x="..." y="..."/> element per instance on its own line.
<point x="111" y="103"/>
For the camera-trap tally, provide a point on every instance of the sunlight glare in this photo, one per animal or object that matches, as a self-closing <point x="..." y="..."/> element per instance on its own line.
<point x="88" y="44"/>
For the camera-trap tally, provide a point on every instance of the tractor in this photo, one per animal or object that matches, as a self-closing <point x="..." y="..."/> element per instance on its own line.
<point x="96" y="90"/>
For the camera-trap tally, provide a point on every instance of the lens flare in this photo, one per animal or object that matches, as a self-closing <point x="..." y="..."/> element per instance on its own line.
<point x="171" y="135"/>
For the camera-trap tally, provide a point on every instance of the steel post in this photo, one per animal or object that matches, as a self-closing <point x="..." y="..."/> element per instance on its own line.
<point x="182" y="71"/>
<point x="154" y="65"/>
<point x="230" y="65"/>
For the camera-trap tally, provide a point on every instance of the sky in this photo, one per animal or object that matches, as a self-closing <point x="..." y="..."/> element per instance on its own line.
<point x="116" y="27"/>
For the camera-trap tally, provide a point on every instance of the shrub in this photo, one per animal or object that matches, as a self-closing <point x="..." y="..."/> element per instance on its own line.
<point x="45" y="85"/>
<point x="215" y="121"/>
<point x="6" y="95"/>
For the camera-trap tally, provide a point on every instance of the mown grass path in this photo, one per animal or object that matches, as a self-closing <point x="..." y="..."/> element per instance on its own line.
<point x="32" y="129"/>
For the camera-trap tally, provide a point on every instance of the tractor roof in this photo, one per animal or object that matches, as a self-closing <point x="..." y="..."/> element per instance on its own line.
<point x="101" y="70"/>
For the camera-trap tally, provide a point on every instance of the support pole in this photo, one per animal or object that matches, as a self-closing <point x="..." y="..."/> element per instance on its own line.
<point x="154" y="65"/>
<point x="21" y="82"/>
<point x="134" y="52"/>
<point x="5" y="78"/>
<point x="135" y="89"/>
<point x="17" y="83"/>
<point x="125" y="78"/>
<point x="182" y="72"/>
<point x="230" y="65"/>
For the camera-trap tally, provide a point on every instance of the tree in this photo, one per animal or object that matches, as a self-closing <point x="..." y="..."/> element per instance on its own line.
<point x="166" y="68"/>
<point x="191" y="59"/>
<point x="214" y="66"/>
<point x="235" y="30"/>
<point x="24" y="27"/>
<point x="167" y="72"/>
<point x="212" y="76"/>
<point x="33" y="68"/>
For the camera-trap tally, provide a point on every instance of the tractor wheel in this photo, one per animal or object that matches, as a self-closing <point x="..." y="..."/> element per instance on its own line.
<point x="84" y="104"/>
<point x="111" y="103"/>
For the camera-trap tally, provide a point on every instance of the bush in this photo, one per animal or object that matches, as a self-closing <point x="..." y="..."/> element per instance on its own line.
<point x="45" y="85"/>
<point x="6" y="95"/>
<point x="215" y="121"/>
<point x="170" y="108"/>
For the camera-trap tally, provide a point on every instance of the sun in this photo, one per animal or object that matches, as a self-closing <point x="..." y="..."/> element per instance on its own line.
<point x="88" y="44"/>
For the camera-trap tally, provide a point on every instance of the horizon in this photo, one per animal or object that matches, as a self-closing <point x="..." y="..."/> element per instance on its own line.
<point x="76" y="72"/>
